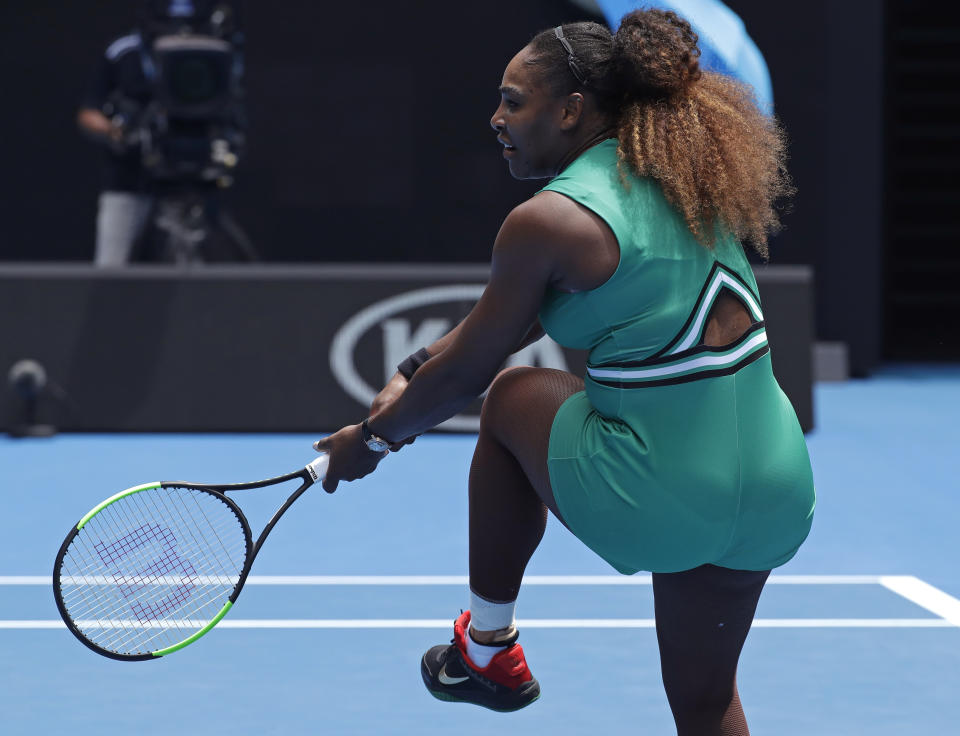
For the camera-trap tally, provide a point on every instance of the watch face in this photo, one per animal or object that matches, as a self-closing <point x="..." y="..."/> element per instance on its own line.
<point x="377" y="445"/>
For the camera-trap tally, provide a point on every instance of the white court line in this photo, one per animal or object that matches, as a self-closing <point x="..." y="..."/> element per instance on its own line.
<point x="429" y="580"/>
<point x="946" y="607"/>
<point x="590" y="623"/>
<point x="924" y="595"/>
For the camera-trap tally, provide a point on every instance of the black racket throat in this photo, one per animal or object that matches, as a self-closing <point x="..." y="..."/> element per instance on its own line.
<point x="302" y="474"/>
<point x="222" y="489"/>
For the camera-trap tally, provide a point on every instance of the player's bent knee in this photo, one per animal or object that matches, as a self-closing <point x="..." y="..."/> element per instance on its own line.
<point x="523" y="401"/>
<point x="531" y="383"/>
<point x="502" y="393"/>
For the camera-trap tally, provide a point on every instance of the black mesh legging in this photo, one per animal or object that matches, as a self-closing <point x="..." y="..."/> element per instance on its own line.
<point x="703" y="615"/>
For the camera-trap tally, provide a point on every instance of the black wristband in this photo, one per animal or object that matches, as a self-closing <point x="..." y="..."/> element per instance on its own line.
<point x="408" y="366"/>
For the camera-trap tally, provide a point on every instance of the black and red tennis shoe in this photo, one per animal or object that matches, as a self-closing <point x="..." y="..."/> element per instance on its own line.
<point x="505" y="684"/>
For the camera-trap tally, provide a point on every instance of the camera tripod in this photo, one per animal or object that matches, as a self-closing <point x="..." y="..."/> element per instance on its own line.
<point x="191" y="227"/>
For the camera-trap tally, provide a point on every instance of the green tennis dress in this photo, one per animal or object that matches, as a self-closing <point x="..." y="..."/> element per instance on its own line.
<point x="676" y="454"/>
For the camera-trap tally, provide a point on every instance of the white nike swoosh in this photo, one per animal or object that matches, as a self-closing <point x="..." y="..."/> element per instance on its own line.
<point x="446" y="680"/>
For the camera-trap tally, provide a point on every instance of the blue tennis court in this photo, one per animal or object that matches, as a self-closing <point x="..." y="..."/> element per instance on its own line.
<point x="858" y="634"/>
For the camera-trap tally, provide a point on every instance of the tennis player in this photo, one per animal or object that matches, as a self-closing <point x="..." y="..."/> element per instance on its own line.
<point x="678" y="454"/>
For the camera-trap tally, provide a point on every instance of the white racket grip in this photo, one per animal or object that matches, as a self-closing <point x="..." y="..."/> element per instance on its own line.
<point x="318" y="468"/>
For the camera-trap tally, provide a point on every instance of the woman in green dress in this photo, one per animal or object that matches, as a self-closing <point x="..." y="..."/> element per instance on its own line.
<point x="677" y="453"/>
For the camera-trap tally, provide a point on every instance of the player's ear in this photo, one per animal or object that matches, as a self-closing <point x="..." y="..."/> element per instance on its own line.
<point x="572" y="111"/>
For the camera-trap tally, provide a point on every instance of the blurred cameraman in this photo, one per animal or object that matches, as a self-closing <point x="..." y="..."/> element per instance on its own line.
<point x="165" y="104"/>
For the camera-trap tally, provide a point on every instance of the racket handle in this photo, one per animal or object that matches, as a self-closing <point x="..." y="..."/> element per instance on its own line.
<point x="318" y="468"/>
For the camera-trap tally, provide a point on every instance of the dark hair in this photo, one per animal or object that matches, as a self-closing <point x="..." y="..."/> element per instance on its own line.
<point x="719" y="160"/>
<point x="592" y="46"/>
<point x="639" y="61"/>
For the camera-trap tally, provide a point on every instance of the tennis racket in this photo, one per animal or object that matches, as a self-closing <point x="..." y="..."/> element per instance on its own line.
<point x="155" y="567"/>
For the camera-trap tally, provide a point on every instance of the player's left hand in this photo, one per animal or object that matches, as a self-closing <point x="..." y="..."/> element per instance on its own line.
<point x="350" y="458"/>
<point x="390" y="393"/>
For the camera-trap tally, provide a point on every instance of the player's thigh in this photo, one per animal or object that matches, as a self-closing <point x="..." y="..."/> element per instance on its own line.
<point x="703" y="617"/>
<point x="519" y="411"/>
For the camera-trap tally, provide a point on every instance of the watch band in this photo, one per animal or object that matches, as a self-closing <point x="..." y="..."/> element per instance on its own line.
<point x="372" y="441"/>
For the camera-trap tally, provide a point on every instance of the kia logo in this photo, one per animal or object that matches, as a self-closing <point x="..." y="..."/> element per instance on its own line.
<point x="400" y="334"/>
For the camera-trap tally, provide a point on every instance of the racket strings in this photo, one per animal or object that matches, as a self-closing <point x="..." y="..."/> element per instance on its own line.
<point x="200" y="606"/>
<point x="87" y="574"/>
<point x="150" y="600"/>
<point x="149" y="594"/>
<point x="143" y="606"/>
<point x="152" y="568"/>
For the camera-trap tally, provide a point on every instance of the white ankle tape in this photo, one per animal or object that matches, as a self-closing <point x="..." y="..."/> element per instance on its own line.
<point x="490" y="616"/>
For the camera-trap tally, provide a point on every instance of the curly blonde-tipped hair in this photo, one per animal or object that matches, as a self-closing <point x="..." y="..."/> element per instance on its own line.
<point x="720" y="161"/>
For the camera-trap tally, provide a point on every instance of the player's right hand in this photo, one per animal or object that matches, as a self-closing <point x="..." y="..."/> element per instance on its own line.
<point x="350" y="458"/>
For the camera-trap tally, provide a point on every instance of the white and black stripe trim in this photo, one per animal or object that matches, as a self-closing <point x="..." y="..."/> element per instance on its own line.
<point x="690" y="377"/>
<point x="698" y="350"/>
<point x="694" y="364"/>
<point x="719" y="277"/>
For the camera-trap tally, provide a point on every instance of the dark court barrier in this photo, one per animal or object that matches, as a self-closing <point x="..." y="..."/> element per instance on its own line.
<point x="272" y="348"/>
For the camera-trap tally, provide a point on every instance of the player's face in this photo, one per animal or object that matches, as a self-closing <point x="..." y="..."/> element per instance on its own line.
<point x="526" y="122"/>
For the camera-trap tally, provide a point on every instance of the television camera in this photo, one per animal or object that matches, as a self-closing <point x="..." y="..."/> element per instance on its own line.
<point x="190" y="134"/>
<point x="192" y="130"/>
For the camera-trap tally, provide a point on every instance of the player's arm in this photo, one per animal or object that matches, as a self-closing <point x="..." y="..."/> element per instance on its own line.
<point x="398" y="382"/>
<point x="502" y="321"/>
<point x="533" y="333"/>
